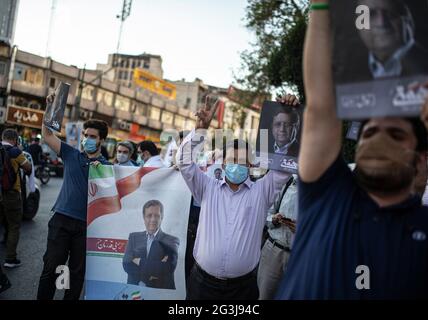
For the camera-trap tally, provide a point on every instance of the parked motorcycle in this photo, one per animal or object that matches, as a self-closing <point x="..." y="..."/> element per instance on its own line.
<point x="43" y="173"/>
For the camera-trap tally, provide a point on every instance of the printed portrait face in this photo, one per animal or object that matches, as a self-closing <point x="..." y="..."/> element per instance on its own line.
<point x="152" y="219"/>
<point x="387" y="27"/>
<point x="282" y="129"/>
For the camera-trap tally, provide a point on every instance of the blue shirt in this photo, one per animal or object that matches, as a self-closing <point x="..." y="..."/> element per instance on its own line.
<point x="340" y="227"/>
<point x="73" y="197"/>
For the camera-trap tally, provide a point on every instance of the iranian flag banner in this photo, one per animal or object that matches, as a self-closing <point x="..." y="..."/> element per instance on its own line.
<point x="126" y="206"/>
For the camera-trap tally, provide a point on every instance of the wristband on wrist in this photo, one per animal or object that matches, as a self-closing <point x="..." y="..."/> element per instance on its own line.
<point x="319" y="6"/>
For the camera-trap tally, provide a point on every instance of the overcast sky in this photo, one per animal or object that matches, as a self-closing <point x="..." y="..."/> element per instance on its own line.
<point x="196" y="38"/>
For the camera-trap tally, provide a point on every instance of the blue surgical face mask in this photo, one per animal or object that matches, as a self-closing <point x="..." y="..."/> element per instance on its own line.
<point x="89" y="145"/>
<point x="122" y="157"/>
<point x="140" y="161"/>
<point x="236" y="173"/>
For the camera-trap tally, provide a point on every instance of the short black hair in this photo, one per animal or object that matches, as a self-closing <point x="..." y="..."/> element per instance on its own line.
<point x="419" y="130"/>
<point x="153" y="203"/>
<point x="149" y="146"/>
<point x="235" y="144"/>
<point x="10" y="135"/>
<point x="218" y="169"/>
<point x="99" y="125"/>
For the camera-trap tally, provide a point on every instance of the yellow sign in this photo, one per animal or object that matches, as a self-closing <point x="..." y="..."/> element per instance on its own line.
<point x="154" y="84"/>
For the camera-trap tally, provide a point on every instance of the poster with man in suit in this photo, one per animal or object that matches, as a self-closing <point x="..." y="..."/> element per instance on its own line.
<point x="380" y="46"/>
<point x="279" y="134"/>
<point x="137" y="233"/>
<point x="151" y="256"/>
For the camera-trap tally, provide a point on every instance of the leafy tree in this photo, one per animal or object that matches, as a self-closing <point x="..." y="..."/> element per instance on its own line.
<point x="274" y="62"/>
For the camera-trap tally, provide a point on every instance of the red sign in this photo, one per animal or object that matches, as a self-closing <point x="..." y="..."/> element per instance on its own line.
<point x="106" y="245"/>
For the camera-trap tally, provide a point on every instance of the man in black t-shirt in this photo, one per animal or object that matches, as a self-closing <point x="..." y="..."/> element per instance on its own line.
<point x="361" y="234"/>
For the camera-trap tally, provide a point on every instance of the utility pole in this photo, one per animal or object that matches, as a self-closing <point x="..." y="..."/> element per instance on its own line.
<point x="76" y="114"/>
<point x="126" y="11"/>
<point x="51" y="24"/>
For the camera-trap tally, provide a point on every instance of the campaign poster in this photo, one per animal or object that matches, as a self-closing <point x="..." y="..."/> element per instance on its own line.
<point x="215" y="171"/>
<point x="73" y="134"/>
<point x="278" y="139"/>
<point x="54" y="113"/>
<point x="136" y="233"/>
<point x="379" y="57"/>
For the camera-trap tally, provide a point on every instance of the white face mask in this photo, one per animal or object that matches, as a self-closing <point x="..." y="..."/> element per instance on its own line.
<point x="122" y="158"/>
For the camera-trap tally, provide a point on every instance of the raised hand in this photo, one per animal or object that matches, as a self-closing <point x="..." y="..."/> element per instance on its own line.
<point x="206" y="113"/>
<point x="288" y="100"/>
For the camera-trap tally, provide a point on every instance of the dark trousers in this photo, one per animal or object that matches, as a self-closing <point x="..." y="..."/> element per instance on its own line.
<point x="11" y="218"/>
<point x="191" y="237"/>
<point x="66" y="241"/>
<point x="203" y="286"/>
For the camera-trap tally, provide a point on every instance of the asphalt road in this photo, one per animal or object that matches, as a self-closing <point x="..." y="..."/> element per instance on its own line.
<point x="31" y="247"/>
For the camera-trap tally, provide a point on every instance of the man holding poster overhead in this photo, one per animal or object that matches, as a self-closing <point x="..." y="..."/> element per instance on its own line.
<point x="361" y="234"/>
<point x="233" y="213"/>
<point x="67" y="227"/>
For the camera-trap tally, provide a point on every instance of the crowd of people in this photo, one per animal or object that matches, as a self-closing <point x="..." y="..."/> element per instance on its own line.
<point x="282" y="236"/>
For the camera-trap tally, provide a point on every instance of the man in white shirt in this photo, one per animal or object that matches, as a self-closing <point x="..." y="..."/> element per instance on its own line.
<point x="148" y="155"/>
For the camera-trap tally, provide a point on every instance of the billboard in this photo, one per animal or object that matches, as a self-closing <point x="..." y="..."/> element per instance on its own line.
<point x="154" y="84"/>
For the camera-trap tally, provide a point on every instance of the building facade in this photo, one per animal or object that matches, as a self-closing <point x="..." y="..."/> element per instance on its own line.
<point x="120" y="67"/>
<point x="130" y="114"/>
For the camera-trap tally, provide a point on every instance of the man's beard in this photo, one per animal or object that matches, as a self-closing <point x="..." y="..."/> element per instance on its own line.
<point x="385" y="181"/>
<point x="384" y="166"/>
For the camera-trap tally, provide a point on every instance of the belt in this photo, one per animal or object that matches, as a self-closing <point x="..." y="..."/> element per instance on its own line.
<point x="224" y="280"/>
<point x="276" y="244"/>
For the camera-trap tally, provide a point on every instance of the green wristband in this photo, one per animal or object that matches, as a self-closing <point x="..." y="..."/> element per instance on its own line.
<point x="319" y="6"/>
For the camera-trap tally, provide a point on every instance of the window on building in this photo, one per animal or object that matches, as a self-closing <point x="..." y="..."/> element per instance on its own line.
<point x="254" y="122"/>
<point x="190" y="124"/>
<point x="141" y="109"/>
<point x="146" y="65"/>
<point x="88" y="92"/>
<point x="154" y="113"/>
<point x="19" y="73"/>
<point x="52" y="83"/>
<point x="133" y="64"/>
<point x="105" y="97"/>
<point x="179" y="121"/>
<point x="34" y="76"/>
<point x="122" y="63"/>
<point x="188" y="102"/>
<point x="2" y="68"/>
<point x="127" y="64"/>
<point x="122" y="103"/>
<point x="167" y="117"/>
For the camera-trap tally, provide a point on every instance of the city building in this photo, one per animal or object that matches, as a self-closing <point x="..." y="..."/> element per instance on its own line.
<point x="120" y="67"/>
<point x="131" y="114"/>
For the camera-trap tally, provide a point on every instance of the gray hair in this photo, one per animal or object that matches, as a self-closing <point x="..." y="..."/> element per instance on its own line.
<point x="127" y="145"/>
